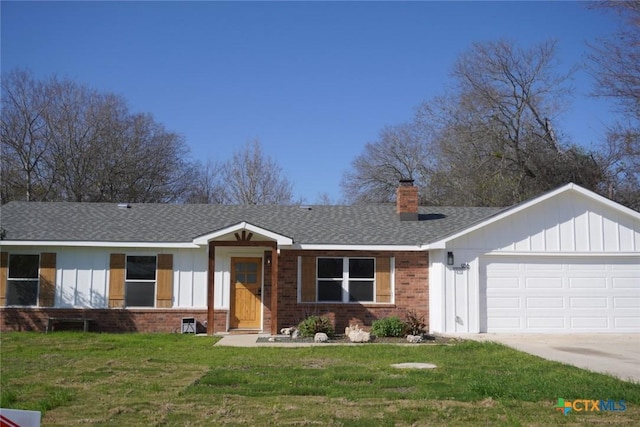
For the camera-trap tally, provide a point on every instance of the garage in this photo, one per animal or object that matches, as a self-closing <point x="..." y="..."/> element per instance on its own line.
<point x="559" y="294"/>
<point x="567" y="261"/>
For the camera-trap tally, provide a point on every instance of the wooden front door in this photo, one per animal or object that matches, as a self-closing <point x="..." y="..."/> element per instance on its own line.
<point x="246" y="293"/>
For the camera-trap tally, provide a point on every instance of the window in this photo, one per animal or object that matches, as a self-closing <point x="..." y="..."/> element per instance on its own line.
<point x="22" y="280"/>
<point x="346" y="279"/>
<point x="140" y="281"/>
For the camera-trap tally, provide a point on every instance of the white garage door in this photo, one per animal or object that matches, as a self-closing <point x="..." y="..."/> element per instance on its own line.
<point x="560" y="294"/>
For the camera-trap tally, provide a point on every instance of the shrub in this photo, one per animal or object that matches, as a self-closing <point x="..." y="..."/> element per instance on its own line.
<point x="388" y="327"/>
<point x="310" y="326"/>
<point x="415" y="324"/>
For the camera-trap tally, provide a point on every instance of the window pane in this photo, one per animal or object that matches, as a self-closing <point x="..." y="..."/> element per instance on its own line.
<point x="22" y="292"/>
<point x="252" y="267"/>
<point x="23" y="266"/>
<point x="141" y="268"/>
<point x="329" y="290"/>
<point x="361" y="268"/>
<point x="140" y="294"/>
<point x="361" y="291"/>
<point x="329" y="268"/>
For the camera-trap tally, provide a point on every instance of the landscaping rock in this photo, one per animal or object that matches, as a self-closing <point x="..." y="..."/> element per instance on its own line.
<point x="321" y="337"/>
<point x="295" y="334"/>
<point x="414" y="339"/>
<point x="287" y="331"/>
<point x="356" y="334"/>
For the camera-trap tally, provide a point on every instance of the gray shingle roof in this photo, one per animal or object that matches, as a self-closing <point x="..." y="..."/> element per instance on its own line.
<point x="335" y="225"/>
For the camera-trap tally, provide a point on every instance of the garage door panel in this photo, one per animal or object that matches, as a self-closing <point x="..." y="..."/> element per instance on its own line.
<point x="506" y="283"/>
<point x="544" y="303"/>
<point x="587" y="283"/>
<point x="505" y="302"/>
<point x="626" y="282"/>
<point x="545" y="323"/>
<point x="590" y="323"/>
<point x="588" y="302"/>
<point x="586" y="265"/>
<point x="630" y="322"/>
<point x="563" y="294"/>
<point x="625" y="302"/>
<point x="506" y="323"/>
<point x="543" y="283"/>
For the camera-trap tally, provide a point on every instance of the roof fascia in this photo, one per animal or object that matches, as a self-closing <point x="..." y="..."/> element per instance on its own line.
<point x="329" y="247"/>
<point x="67" y="243"/>
<point x="441" y="244"/>
<point x="279" y="238"/>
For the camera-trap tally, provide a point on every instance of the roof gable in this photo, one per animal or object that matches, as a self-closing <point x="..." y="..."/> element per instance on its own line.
<point x="567" y="203"/>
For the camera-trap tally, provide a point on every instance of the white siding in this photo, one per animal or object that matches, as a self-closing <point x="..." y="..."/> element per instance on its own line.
<point x="190" y="278"/>
<point x="81" y="277"/>
<point x="570" y="222"/>
<point x="82" y="274"/>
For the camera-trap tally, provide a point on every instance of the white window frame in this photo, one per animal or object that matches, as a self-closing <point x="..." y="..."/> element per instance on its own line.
<point x="154" y="281"/>
<point x="345" y="280"/>
<point x="23" y="279"/>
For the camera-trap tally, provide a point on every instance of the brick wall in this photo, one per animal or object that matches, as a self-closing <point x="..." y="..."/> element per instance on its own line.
<point x="411" y="291"/>
<point x="102" y="320"/>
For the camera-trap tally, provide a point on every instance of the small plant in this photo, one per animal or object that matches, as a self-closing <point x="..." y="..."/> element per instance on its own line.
<point x="414" y="323"/>
<point x="388" y="327"/>
<point x="310" y="326"/>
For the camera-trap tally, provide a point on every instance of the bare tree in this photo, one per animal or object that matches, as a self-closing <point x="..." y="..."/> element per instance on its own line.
<point x="250" y="177"/>
<point x="401" y="152"/>
<point x="498" y="137"/>
<point x="64" y="141"/>
<point x="489" y="141"/>
<point x="25" y="146"/>
<point x="206" y="184"/>
<point x="615" y="65"/>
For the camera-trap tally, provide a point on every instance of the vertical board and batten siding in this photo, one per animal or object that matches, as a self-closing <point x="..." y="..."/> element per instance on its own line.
<point x="82" y="277"/>
<point x="567" y="223"/>
<point x="190" y="278"/>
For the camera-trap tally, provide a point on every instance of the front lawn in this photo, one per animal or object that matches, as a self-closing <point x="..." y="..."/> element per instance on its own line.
<point x="182" y="380"/>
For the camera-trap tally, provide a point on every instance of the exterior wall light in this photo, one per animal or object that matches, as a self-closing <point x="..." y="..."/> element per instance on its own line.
<point x="450" y="258"/>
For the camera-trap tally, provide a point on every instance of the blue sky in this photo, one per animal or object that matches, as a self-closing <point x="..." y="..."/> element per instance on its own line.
<point x="313" y="81"/>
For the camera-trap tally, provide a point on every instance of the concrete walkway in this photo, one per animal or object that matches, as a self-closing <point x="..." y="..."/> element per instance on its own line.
<point x="612" y="354"/>
<point x="250" y="340"/>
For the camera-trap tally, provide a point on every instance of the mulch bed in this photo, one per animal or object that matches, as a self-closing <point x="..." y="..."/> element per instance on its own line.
<point x="343" y="339"/>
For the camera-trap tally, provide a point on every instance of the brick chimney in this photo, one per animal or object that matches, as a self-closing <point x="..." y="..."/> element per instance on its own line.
<point x="407" y="200"/>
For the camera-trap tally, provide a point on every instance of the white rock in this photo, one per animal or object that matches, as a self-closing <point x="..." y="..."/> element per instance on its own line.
<point x="414" y="339"/>
<point x="295" y="334"/>
<point x="287" y="331"/>
<point x="271" y="339"/>
<point x="359" y="336"/>
<point x="321" y="337"/>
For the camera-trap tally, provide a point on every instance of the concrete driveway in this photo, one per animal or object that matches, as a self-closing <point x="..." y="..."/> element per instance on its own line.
<point x="612" y="354"/>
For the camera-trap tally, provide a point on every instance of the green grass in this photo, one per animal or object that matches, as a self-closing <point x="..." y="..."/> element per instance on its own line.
<point x="182" y="380"/>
